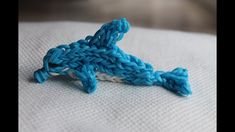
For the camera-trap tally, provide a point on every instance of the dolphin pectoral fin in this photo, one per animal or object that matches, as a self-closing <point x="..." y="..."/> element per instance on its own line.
<point x="88" y="78"/>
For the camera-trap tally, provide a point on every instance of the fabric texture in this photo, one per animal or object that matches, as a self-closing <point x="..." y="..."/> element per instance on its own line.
<point x="59" y="104"/>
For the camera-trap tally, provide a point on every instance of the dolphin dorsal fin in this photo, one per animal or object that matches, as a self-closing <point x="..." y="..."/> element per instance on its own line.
<point x="108" y="35"/>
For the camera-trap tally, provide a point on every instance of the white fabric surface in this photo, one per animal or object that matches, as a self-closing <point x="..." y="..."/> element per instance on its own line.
<point x="58" y="106"/>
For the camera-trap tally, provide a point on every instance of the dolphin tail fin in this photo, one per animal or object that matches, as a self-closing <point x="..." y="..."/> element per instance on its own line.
<point x="175" y="81"/>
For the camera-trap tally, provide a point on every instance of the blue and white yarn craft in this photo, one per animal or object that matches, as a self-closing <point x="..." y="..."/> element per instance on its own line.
<point x="99" y="58"/>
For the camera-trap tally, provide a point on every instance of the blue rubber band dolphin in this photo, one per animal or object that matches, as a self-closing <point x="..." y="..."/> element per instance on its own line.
<point x="98" y="57"/>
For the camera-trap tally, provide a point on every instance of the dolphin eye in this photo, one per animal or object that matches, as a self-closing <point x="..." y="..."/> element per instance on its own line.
<point x="53" y="65"/>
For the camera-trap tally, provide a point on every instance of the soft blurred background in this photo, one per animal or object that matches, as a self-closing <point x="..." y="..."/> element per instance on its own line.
<point x="184" y="15"/>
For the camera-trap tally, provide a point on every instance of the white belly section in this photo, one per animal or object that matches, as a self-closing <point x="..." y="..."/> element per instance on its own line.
<point x="105" y="77"/>
<point x="99" y="76"/>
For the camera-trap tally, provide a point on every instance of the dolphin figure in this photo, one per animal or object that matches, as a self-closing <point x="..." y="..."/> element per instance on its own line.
<point x="98" y="57"/>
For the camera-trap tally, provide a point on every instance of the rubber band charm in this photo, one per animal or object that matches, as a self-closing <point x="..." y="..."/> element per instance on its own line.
<point x="99" y="58"/>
